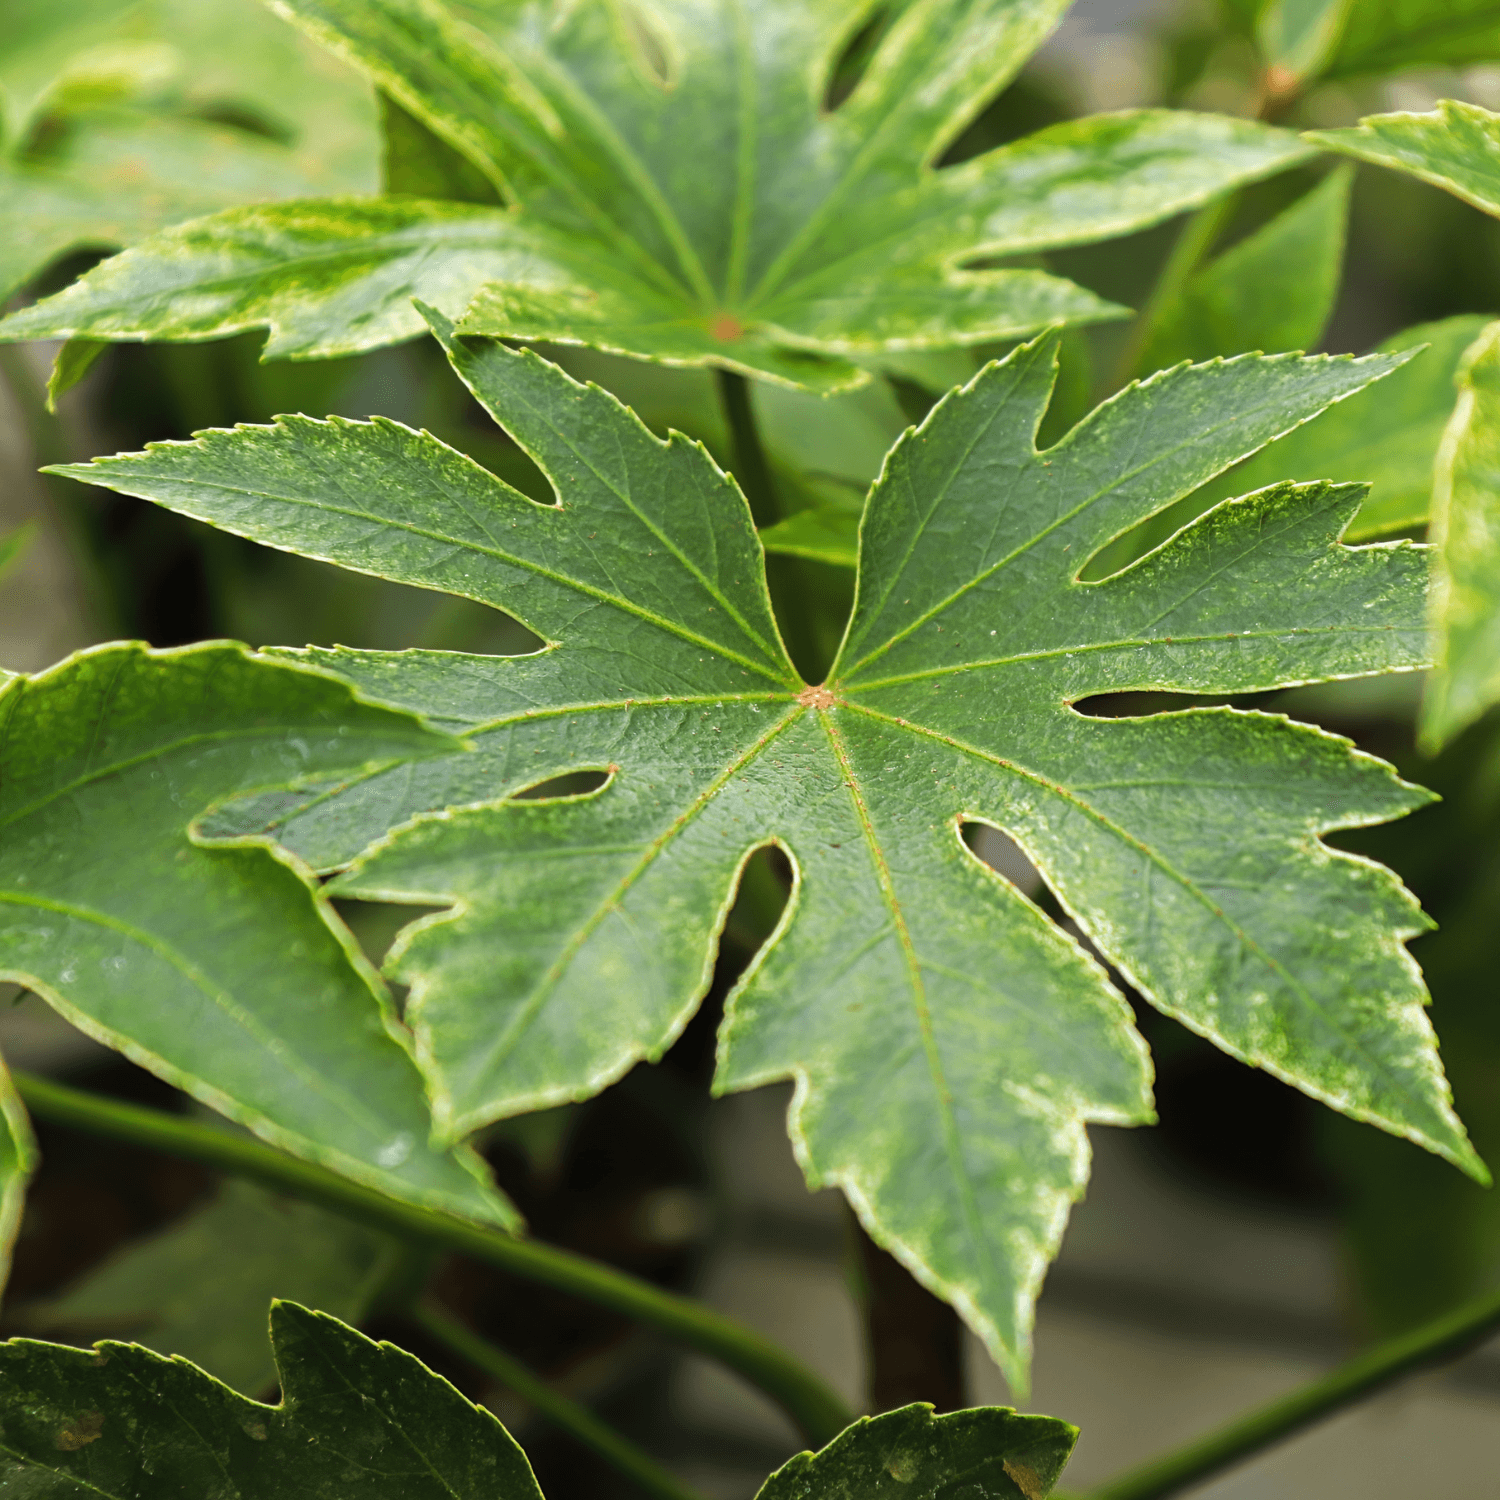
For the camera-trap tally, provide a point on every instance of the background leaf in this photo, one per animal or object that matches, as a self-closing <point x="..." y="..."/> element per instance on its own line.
<point x="220" y="969"/>
<point x="1273" y="290"/>
<point x="1466" y="539"/>
<point x="200" y="1288"/>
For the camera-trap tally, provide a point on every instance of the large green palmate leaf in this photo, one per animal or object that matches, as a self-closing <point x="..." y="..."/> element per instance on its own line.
<point x="678" y="191"/>
<point x="201" y="1286"/>
<point x="221" y="970"/>
<point x="125" y="117"/>
<point x="366" y="1421"/>
<point x="949" y="1042"/>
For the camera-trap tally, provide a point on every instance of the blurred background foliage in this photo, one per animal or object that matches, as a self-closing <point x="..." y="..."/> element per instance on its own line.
<point x="119" y="116"/>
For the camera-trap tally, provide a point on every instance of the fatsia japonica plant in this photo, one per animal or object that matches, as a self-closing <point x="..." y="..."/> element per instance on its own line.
<point x="801" y="194"/>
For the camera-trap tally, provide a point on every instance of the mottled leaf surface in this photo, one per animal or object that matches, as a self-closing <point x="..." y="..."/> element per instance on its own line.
<point x="1466" y="540"/>
<point x="200" y="1287"/>
<point x="787" y="239"/>
<point x="1273" y="290"/>
<point x="357" y="1421"/>
<point x="949" y="1041"/>
<point x="119" y="122"/>
<point x="221" y="970"/>
<point x="987" y="1452"/>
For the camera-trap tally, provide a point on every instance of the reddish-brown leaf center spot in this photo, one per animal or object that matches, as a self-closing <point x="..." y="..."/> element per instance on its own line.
<point x="817" y="697"/>
<point x="726" y="328"/>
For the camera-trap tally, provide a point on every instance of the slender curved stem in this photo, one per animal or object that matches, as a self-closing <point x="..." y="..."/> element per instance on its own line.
<point x="751" y="466"/>
<point x="804" y="1397"/>
<point x="1441" y="1338"/>
<point x="572" y="1418"/>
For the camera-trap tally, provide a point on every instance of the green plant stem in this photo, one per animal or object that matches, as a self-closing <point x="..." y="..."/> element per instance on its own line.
<point x="1439" y="1339"/>
<point x="572" y="1418"/>
<point x="751" y="466"/>
<point x="1193" y="243"/>
<point x="804" y="1397"/>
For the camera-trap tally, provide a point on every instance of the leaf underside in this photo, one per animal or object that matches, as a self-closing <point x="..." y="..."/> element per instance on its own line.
<point x="222" y="971"/>
<point x="790" y="241"/>
<point x="949" y="1041"/>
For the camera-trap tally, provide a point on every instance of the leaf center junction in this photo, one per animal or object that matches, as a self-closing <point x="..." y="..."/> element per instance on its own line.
<point x="817" y="698"/>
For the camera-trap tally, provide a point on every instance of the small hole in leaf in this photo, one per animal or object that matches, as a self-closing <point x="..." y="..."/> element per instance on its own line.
<point x="854" y="61"/>
<point x="765" y="887"/>
<point x="570" y="784"/>
<point x="376" y="925"/>
<point x="1003" y="855"/>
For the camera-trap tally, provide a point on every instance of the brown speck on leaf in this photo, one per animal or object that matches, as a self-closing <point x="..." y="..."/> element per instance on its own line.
<point x="726" y="328"/>
<point x="80" y="1433"/>
<point x="1028" y="1481"/>
<point x="817" y="697"/>
<point x="256" y="1430"/>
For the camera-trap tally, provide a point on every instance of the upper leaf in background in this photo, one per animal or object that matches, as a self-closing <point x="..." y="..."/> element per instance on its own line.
<point x="357" y="1421"/>
<point x="1456" y="147"/>
<point x="681" y="192"/>
<point x="1273" y="290"/>
<point x="366" y="1421"/>
<point x="1390" y="36"/>
<point x="200" y="1287"/>
<point x="1466" y="542"/>
<point x="950" y="1041"/>
<point x="123" y="117"/>
<point x="1298" y="38"/>
<point x="222" y="971"/>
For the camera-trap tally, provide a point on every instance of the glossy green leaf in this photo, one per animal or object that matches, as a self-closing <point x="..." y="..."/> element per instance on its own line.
<point x="949" y="1041"/>
<point x="112" y="131"/>
<point x="1386" y="435"/>
<point x="1466" y="556"/>
<point x="988" y="1452"/>
<point x="18" y="1160"/>
<point x="1391" y="36"/>
<point x="220" y="969"/>
<point x="357" y="1421"/>
<point x="1273" y="290"/>
<point x="789" y="240"/>
<point x="1456" y="147"/>
<point x="200" y="1287"/>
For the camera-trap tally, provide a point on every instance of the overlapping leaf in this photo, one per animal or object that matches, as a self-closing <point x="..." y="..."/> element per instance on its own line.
<point x="949" y="1042"/>
<point x="366" y="1421"/>
<point x="679" y="191"/>
<point x="123" y="118"/>
<point x="220" y="970"/>
<point x="1456" y="147"/>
